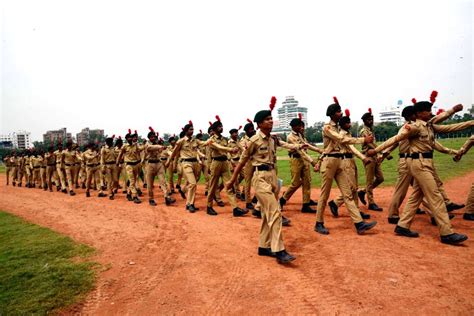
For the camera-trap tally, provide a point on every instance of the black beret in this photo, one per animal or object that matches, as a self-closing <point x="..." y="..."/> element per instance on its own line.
<point x="186" y="127"/>
<point x="422" y="106"/>
<point x="234" y="130"/>
<point x="150" y="133"/>
<point x="367" y="116"/>
<point x="296" y="122"/>
<point x="181" y="135"/>
<point x="209" y="129"/>
<point x="408" y="111"/>
<point x="171" y="138"/>
<point x="332" y="109"/>
<point x="248" y="126"/>
<point x="344" y="120"/>
<point x="109" y="141"/>
<point x="216" y="124"/>
<point x="261" y="115"/>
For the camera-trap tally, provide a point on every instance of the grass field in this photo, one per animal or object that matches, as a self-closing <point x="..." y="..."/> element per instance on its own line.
<point x="445" y="165"/>
<point x="40" y="271"/>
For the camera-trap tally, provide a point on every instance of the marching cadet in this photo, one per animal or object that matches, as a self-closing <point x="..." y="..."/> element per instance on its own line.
<point x="14" y="169"/>
<point x="204" y="149"/>
<point x="77" y="165"/>
<point x="261" y="155"/>
<point x="108" y="158"/>
<point x="348" y="164"/>
<point x="469" y="211"/>
<point x="28" y="169"/>
<point x="131" y="154"/>
<point x="119" y="168"/>
<point x="186" y="149"/>
<point x="155" y="167"/>
<point x="300" y="169"/>
<point x="220" y="168"/>
<point x="248" y="169"/>
<point x="20" y="167"/>
<point x="92" y="157"/>
<point x="60" y="166"/>
<point x="70" y="159"/>
<point x="421" y="135"/>
<point x="179" y="170"/>
<point x="235" y="157"/>
<point x="8" y="167"/>
<point x="373" y="170"/>
<point x="36" y="161"/>
<point x="50" y="159"/>
<point x="170" y="170"/>
<point x="44" y="184"/>
<point x="332" y="168"/>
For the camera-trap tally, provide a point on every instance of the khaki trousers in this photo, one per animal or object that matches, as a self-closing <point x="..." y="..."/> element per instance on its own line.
<point x="265" y="184"/>
<point x="373" y="177"/>
<point x="350" y="170"/>
<point x="248" y="175"/>
<point x="92" y="173"/>
<point x="470" y="201"/>
<point x="7" y="171"/>
<point x="155" y="170"/>
<point x="70" y="177"/>
<point x="44" y="184"/>
<point x="190" y="171"/>
<point x="110" y="177"/>
<point x="332" y="169"/>
<point x="300" y="176"/>
<point x="220" y="169"/>
<point x="36" y="176"/>
<point x="49" y="175"/>
<point x="132" y="176"/>
<point x="426" y="186"/>
<point x="60" y="175"/>
<point x="234" y="165"/>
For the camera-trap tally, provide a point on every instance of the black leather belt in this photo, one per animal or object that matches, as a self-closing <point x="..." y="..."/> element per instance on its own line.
<point x="51" y="164"/>
<point x="69" y="164"/>
<point x="132" y="163"/>
<point x="110" y="163"/>
<point x="43" y="167"/>
<point x="189" y="159"/>
<point x="220" y="158"/>
<point x="294" y="155"/>
<point x="36" y="167"/>
<point x="163" y="159"/>
<point x="406" y="155"/>
<point x="92" y="165"/>
<point x="154" y="161"/>
<point x="340" y="156"/>
<point x="236" y="159"/>
<point x="427" y="155"/>
<point x="264" y="167"/>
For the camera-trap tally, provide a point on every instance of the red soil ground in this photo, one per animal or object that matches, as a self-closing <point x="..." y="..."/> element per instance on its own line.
<point x="166" y="260"/>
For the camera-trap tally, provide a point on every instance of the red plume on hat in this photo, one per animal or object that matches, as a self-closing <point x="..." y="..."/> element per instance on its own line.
<point x="249" y="120"/>
<point x="113" y="136"/>
<point x="120" y="137"/>
<point x="157" y="134"/>
<point x="300" y="116"/>
<point x="370" y="110"/>
<point x="335" y="100"/>
<point x="190" y="122"/>
<point x="200" y="131"/>
<point x="433" y="96"/>
<point x="273" y="102"/>
<point x="413" y="101"/>
<point x="218" y="118"/>
<point x="439" y="111"/>
<point x="129" y="131"/>
<point x="151" y="129"/>
<point x="210" y="123"/>
<point x="347" y="112"/>
<point x="240" y="127"/>
<point x="136" y="132"/>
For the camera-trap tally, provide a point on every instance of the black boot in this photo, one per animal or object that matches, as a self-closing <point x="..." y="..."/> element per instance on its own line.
<point x="468" y="217"/>
<point x="88" y="194"/>
<point x="393" y="220"/>
<point x="102" y="194"/>
<point x="307" y="209"/>
<point x="211" y="211"/>
<point x="453" y="206"/>
<point x="129" y="197"/>
<point x="220" y="203"/>
<point x="453" y="239"/>
<point x="313" y="203"/>
<point x="433" y="221"/>
<point x="152" y="202"/>
<point x="282" y="202"/>
<point x="136" y="200"/>
<point x="362" y="227"/>
<point x="266" y="252"/>
<point x="249" y="206"/>
<point x="111" y="197"/>
<point x="364" y="215"/>
<point x="285" y="221"/>
<point x="254" y="200"/>
<point x="361" y="195"/>
<point x="319" y="227"/>
<point x="237" y="211"/>
<point x="139" y="192"/>
<point x="284" y="257"/>
<point x="169" y="200"/>
<point x="256" y="213"/>
<point x="191" y="208"/>
<point x="401" y="231"/>
<point x="334" y="209"/>
<point x="181" y="193"/>
<point x="72" y="193"/>
<point x="375" y="207"/>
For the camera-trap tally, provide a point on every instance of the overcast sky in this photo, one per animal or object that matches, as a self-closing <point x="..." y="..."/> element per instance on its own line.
<point x="116" y="65"/>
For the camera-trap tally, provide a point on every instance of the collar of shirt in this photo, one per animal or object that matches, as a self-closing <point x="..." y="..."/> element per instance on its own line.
<point x="262" y="135"/>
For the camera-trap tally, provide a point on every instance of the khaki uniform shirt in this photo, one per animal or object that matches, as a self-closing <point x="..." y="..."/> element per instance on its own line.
<point x="333" y="139"/>
<point x="219" y="146"/>
<point x="131" y="153"/>
<point x="152" y="151"/>
<point x="91" y="157"/>
<point x="50" y="158"/>
<point x="107" y="155"/>
<point x="233" y="144"/>
<point x="187" y="147"/>
<point x="70" y="157"/>
<point x="367" y="131"/>
<point x="349" y="148"/>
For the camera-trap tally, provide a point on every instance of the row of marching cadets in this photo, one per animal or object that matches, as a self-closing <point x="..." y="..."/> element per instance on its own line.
<point x="226" y="164"/>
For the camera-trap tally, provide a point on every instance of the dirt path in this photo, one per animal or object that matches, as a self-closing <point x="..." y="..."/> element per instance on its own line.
<point x="165" y="260"/>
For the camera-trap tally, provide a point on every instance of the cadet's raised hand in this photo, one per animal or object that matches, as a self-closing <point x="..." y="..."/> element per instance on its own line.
<point x="369" y="139"/>
<point x="457" y="108"/>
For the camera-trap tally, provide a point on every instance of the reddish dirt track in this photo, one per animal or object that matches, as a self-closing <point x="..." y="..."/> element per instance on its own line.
<point x="195" y="263"/>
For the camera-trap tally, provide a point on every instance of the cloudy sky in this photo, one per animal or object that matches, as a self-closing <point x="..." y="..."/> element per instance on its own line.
<point x="130" y="64"/>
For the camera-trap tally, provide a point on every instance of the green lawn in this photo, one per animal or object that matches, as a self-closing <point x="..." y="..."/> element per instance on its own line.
<point x="445" y="165"/>
<point x="40" y="270"/>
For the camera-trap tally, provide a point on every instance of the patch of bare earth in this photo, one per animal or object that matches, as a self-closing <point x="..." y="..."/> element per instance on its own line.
<point x="166" y="260"/>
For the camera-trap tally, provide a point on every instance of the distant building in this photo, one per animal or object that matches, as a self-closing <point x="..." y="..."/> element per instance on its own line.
<point x="55" y="135"/>
<point x="18" y="140"/>
<point x="84" y="137"/>
<point x="392" y="114"/>
<point x="289" y="110"/>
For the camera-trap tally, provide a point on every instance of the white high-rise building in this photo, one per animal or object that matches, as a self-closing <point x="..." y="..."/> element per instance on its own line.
<point x="289" y="110"/>
<point x="20" y="139"/>
<point x="392" y="114"/>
